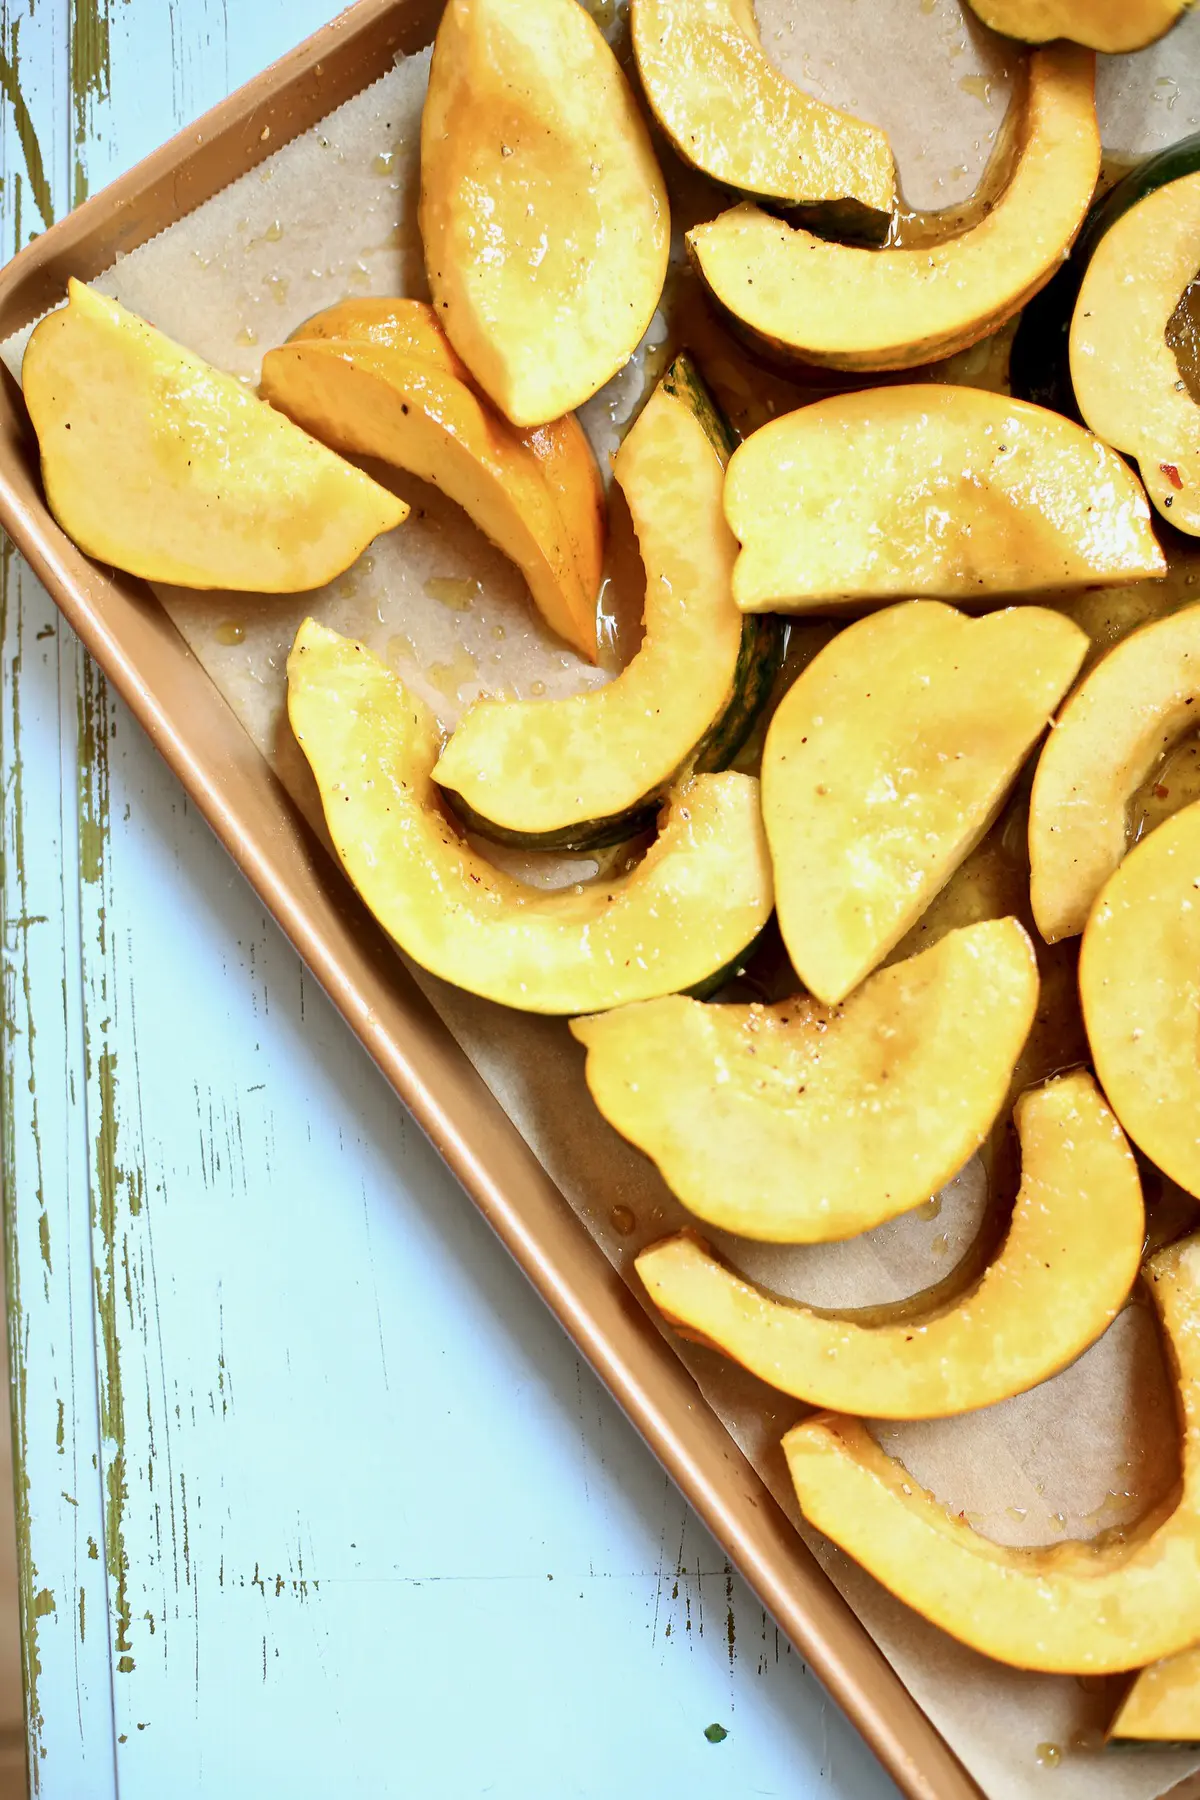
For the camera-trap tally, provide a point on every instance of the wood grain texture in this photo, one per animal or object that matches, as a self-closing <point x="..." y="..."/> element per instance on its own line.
<point x="313" y="1496"/>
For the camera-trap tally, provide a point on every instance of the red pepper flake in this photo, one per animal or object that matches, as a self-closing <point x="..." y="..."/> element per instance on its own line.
<point x="1172" y="474"/>
<point x="1161" y="792"/>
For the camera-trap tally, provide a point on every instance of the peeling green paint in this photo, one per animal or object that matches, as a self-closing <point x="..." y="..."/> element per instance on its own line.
<point x="108" y="1178"/>
<point x="90" y="76"/>
<point x="31" y="150"/>
<point x="43" y="1604"/>
<point x="82" y="1614"/>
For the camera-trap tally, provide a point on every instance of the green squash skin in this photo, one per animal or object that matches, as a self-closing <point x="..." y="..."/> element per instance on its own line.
<point x="1040" y="362"/>
<point x="759" y="657"/>
<point x="737" y="965"/>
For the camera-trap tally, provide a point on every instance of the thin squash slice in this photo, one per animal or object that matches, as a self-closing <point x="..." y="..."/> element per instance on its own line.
<point x="799" y="1122"/>
<point x="886" y="762"/>
<point x="1123" y="370"/>
<point x="1118" y="725"/>
<point x="698" y="897"/>
<point x="156" y="463"/>
<point x="543" y="211"/>
<point x="1070" y="1608"/>
<point x="1163" y="1705"/>
<point x="1063" y="1273"/>
<point x="953" y="493"/>
<point x="591" y="770"/>
<point x="422" y="412"/>
<point x="730" y="113"/>
<point x="849" y="308"/>
<point x="1141" y="998"/>
<point x="1113" y="26"/>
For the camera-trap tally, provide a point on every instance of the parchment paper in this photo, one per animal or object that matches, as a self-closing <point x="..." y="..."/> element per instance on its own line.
<point x="335" y="214"/>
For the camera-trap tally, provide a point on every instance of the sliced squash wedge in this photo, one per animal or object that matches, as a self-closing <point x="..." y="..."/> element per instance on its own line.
<point x="1118" y="725"/>
<point x="368" y="399"/>
<point x="886" y="762"/>
<point x="543" y="210"/>
<point x="1063" y="1273"/>
<point x="850" y="308"/>
<point x="156" y="463"/>
<point x="410" y="327"/>
<point x="799" y="1122"/>
<point x="591" y="769"/>
<point x="1070" y="1608"/>
<point x="1113" y="26"/>
<point x="950" y="492"/>
<point x="700" y="895"/>
<point x="730" y="113"/>
<point x="1141" y="998"/>
<point x="1163" y="1705"/>
<point x="1123" y="370"/>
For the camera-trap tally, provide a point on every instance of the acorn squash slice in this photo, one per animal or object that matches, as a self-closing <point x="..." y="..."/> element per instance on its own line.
<point x="1163" y="1705"/>
<point x="1074" y="1608"/>
<point x="591" y="770"/>
<point x="697" y="898"/>
<point x="1124" y="372"/>
<point x="886" y="762"/>
<point x="368" y="398"/>
<point x="543" y="211"/>
<point x="1118" y="725"/>
<point x="1062" y="1275"/>
<point x="156" y="463"/>
<point x="1113" y="26"/>
<point x="851" y="308"/>
<point x="730" y="113"/>
<point x="951" y="492"/>
<point x="798" y="1122"/>
<point x="1141" y="999"/>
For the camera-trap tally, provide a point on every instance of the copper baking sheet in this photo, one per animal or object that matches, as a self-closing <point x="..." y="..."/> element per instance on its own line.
<point x="194" y="729"/>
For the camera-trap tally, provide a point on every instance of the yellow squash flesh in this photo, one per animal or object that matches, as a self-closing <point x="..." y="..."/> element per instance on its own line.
<point x="159" y="464"/>
<point x="950" y="492"/>
<point x="1138" y="701"/>
<point x="699" y="896"/>
<point x="543" y="210"/>
<point x="1073" y="1608"/>
<point x="540" y="766"/>
<point x="1163" y="1705"/>
<point x="367" y="399"/>
<point x="729" y="112"/>
<point x="1141" y="995"/>
<point x="887" y="761"/>
<point x="1113" y="26"/>
<point x="1124" y="372"/>
<point x="796" y="1123"/>
<point x="1064" y="1272"/>
<point x="849" y="308"/>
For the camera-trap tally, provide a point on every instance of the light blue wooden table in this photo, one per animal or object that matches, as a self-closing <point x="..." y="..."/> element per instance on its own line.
<point x="314" y="1498"/>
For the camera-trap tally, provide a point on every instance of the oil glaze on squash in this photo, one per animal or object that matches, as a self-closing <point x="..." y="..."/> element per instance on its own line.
<point x="589" y="770"/>
<point x="419" y="410"/>
<point x="543" y="210"/>
<point x="698" y="897"/>
<point x="1064" y="1271"/>
<point x="1113" y="26"/>
<point x="798" y="1122"/>
<point x="850" y="308"/>
<point x="156" y="463"/>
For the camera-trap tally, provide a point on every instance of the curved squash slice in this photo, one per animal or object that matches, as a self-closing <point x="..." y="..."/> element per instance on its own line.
<point x="1163" y="1705"/>
<point x="543" y="211"/>
<point x="797" y="1123"/>
<point x="161" y="465"/>
<point x="589" y="770"/>
<point x="886" y="762"/>
<point x="1141" y="999"/>
<point x="367" y="399"/>
<point x="700" y="895"/>
<point x="1062" y="1275"/>
<point x="1139" y="700"/>
<point x="848" y="308"/>
<point x="950" y="492"/>
<point x="409" y="327"/>
<point x="1123" y="370"/>
<point x="1113" y="26"/>
<point x="730" y="113"/>
<point x="1075" y="1608"/>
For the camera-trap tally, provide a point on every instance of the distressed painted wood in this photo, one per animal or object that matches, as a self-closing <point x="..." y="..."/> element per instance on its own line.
<point x="313" y="1495"/>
